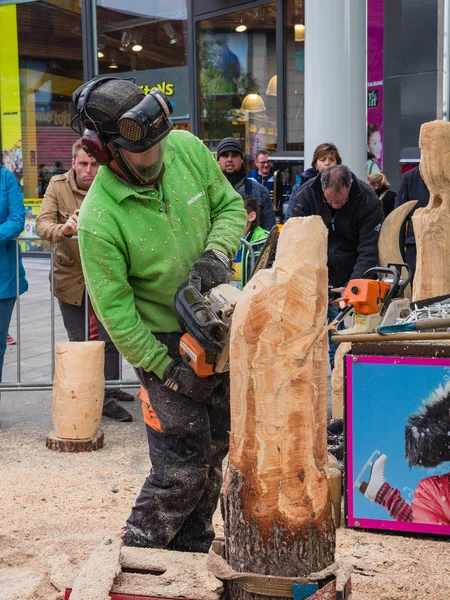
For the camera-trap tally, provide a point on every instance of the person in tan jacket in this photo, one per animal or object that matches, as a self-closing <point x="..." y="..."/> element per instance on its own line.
<point x="57" y="222"/>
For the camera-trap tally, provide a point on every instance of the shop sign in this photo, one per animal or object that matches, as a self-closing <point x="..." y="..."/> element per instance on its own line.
<point x="54" y="114"/>
<point x="172" y="81"/>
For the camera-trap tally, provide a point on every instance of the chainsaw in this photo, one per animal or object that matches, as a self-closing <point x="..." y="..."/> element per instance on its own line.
<point x="205" y="319"/>
<point x="373" y="303"/>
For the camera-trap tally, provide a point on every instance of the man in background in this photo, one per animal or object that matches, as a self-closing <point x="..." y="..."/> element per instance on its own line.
<point x="57" y="223"/>
<point x="353" y="215"/>
<point x="231" y="162"/>
<point x="263" y="173"/>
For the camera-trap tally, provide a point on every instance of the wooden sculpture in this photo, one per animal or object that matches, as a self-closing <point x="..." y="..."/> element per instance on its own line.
<point x="389" y="240"/>
<point x="77" y="398"/>
<point x="276" y="497"/>
<point x="432" y="223"/>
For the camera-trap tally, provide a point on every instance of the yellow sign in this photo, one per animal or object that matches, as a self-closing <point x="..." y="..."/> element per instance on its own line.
<point x="166" y="88"/>
<point x="10" y="123"/>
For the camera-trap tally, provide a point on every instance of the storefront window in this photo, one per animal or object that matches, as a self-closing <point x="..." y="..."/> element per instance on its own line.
<point x="237" y="66"/>
<point x="146" y="41"/>
<point x="40" y="67"/>
<point x="295" y="75"/>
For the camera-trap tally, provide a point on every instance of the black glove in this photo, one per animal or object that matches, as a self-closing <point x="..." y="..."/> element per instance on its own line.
<point x="180" y="378"/>
<point x="211" y="269"/>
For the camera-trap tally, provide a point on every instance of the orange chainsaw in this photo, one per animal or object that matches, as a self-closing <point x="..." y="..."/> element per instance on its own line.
<point x="206" y="319"/>
<point x="375" y="302"/>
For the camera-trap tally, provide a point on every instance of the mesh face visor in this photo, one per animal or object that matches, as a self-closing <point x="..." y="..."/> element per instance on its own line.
<point x="146" y="124"/>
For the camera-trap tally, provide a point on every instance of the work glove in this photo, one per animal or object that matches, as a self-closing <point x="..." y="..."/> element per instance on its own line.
<point x="210" y="270"/>
<point x="180" y="378"/>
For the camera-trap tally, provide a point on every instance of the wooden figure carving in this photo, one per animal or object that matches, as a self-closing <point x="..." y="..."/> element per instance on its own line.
<point x="276" y="497"/>
<point x="432" y="223"/>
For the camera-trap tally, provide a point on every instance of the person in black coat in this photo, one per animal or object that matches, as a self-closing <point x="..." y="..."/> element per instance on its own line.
<point x="231" y="162"/>
<point x="412" y="187"/>
<point x="353" y="215"/>
<point x="380" y="185"/>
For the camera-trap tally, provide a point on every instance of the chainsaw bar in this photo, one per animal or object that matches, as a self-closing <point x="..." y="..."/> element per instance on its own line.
<point x="267" y="255"/>
<point x="429" y="301"/>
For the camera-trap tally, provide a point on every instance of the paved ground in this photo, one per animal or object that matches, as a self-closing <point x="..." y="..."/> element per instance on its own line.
<point x="35" y="350"/>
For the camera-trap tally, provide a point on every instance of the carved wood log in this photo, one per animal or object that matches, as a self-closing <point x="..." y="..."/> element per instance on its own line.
<point x="432" y="223"/>
<point x="276" y="497"/>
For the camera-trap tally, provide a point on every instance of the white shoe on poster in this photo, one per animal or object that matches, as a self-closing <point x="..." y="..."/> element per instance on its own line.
<point x="376" y="479"/>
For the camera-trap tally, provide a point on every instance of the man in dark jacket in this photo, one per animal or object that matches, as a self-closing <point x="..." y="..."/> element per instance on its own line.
<point x="412" y="187"/>
<point x="231" y="162"/>
<point x="353" y="215"/>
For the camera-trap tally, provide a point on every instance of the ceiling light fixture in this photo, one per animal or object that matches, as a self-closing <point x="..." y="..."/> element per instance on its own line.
<point x="100" y="54"/>
<point x="136" y="41"/>
<point x="299" y="32"/>
<point x="253" y="103"/>
<point x="125" y="41"/>
<point x="168" y="28"/>
<point x="241" y="27"/>
<point x="113" y="64"/>
<point x="272" y="86"/>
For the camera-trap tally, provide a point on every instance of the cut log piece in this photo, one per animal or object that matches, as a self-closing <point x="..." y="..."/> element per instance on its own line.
<point x="96" y="577"/>
<point x="432" y="223"/>
<point x="78" y="389"/>
<point x="276" y="496"/>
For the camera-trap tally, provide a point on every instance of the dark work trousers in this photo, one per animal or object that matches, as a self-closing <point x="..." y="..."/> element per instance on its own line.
<point x="74" y="322"/>
<point x="187" y="446"/>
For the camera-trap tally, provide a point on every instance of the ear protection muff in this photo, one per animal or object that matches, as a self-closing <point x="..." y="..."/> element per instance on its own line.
<point x="95" y="148"/>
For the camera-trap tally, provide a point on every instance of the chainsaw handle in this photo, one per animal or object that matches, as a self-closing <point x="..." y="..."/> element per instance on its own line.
<point x="402" y="282"/>
<point x="386" y="270"/>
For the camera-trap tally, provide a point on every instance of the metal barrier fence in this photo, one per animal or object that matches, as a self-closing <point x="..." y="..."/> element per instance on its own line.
<point x="20" y="385"/>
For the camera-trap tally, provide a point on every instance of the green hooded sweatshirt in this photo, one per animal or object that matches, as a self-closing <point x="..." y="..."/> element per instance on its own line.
<point x="137" y="244"/>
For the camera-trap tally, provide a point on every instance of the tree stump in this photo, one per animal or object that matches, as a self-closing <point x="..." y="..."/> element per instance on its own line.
<point x="432" y="223"/>
<point x="77" y="398"/>
<point x="276" y="496"/>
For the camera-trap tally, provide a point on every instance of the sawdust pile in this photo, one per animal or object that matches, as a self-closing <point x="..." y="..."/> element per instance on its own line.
<point x="56" y="508"/>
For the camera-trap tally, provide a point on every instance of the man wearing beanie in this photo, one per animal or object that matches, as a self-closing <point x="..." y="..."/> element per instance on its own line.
<point x="231" y="161"/>
<point x="158" y="214"/>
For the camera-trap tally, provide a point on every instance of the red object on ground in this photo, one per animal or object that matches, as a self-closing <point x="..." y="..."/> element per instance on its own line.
<point x="114" y="596"/>
<point x="10" y="341"/>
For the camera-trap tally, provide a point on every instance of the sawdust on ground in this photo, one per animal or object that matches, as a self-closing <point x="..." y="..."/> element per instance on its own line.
<point x="56" y="508"/>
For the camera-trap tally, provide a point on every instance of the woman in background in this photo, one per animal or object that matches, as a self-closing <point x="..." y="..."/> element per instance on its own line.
<point x="380" y="185"/>
<point x="325" y="155"/>
<point x="12" y="220"/>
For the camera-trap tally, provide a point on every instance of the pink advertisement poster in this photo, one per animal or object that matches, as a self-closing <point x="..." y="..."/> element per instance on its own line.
<point x="374" y="86"/>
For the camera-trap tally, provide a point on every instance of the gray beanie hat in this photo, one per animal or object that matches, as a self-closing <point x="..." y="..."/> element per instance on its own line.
<point x="229" y="144"/>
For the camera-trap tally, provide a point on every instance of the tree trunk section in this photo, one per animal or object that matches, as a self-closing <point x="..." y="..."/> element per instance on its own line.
<point x="432" y="223"/>
<point x="276" y="496"/>
<point x="78" y="389"/>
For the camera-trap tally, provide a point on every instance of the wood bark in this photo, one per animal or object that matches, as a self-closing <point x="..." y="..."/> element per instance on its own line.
<point x="276" y="496"/>
<point x="432" y="223"/>
<point x="78" y="389"/>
